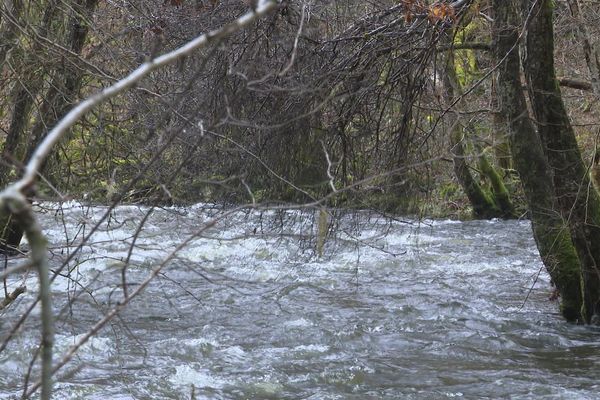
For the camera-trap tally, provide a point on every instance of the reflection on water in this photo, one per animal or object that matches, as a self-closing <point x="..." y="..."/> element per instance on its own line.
<point x="393" y="310"/>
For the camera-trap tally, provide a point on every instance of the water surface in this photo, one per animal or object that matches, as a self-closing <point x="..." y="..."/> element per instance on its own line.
<point x="391" y="310"/>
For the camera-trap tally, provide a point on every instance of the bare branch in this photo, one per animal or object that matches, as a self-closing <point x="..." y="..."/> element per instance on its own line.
<point x="17" y="204"/>
<point x="13" y="198"/>
<point x="12" y="296"/>
<point x="41" y="153"/>
<point x="126" y="300"/>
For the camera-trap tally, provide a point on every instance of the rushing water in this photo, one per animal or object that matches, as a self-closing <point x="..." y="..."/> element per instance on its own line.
<point x="392" y="309"/>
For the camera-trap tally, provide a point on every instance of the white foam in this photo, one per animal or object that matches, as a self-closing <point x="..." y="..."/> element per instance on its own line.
<point x="101" y="347"/>
<point x="311" y="348"/>
<point x="185" y="375"/>
<point x="234" y="354"/>
<point x="298" y="323"/>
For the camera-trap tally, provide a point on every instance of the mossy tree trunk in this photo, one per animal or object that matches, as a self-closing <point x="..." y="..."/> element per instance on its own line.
<point x="578" y="202"/>
<point x="501" y="196"/>
<point x="552" y="236"/>
<point x="485" y="204"/>
<point x="482" y="203"/>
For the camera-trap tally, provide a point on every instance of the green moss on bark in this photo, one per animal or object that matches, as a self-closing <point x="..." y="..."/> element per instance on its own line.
<point x="557" y="243"/>
<point x="578" y="205"/>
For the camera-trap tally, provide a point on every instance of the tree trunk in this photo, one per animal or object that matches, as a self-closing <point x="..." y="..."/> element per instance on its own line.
<point x="501" y="141"/>
<point x="500" y="194"/>
<point x="10" y="32"/>
<point x="578" y="201"/>
<point x="484" y="204"/>
<point x="67" y="81"/>
<point x="23" y="97"/>
<point x="59" y="97"/>
<point x="552" y="238"/>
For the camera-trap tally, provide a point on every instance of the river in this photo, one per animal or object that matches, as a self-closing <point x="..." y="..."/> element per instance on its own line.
<point x="392" y="309"/>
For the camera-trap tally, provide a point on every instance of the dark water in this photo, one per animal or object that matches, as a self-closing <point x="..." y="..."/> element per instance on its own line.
<point x="392" y="310"/>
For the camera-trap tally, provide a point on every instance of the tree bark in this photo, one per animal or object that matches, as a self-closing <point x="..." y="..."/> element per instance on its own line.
<point x="551" y="235"/>
<point x="66" y="82"/>
<point x="61" y="94"/>
<point x="10" y="32"/>
<point x="23" y="98"/>
<point x="484" y="204"/>
<point x="500" y="194"/>
<point x="578" y="201"/>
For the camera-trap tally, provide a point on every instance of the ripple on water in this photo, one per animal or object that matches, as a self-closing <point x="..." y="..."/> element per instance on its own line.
<point x="440" y="313"/>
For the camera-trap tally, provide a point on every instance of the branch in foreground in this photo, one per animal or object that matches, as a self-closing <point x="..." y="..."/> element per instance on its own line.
<point x="17" y="204"/>
<point x="126" y="300"/>
<point x="14" y="196"/>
